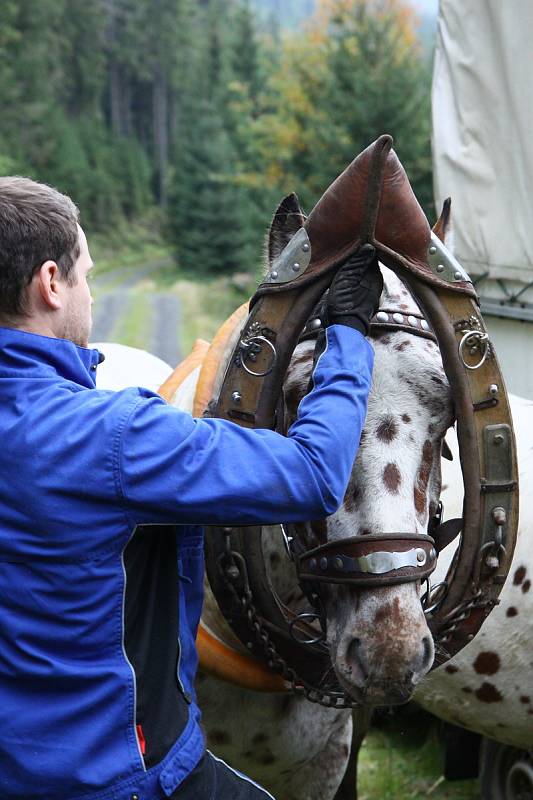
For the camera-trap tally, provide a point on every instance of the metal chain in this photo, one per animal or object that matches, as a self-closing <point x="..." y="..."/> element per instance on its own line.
<point x="235" y="569"/>
<point x="460" y="613"/>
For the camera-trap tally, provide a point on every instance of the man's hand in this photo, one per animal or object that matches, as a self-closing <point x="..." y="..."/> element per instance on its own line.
<point x="353" y="297"/>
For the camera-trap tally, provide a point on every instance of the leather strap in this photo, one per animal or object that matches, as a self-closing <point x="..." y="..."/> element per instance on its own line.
<point x="446" y="532"/>
<point x="371" y="560"/>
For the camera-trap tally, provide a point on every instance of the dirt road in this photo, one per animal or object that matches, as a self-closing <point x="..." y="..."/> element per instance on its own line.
<point x="130" y="308"/>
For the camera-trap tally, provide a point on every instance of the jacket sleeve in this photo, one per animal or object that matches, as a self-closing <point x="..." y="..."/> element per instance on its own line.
<point x="173" y="468"/>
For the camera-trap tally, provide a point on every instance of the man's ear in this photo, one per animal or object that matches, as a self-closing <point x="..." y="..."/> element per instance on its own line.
<point x="47" y="281"/>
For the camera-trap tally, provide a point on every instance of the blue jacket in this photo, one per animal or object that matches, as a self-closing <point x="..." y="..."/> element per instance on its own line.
<point x="90" y="603"/>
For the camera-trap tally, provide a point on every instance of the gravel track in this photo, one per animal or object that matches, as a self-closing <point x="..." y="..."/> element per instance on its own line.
<point x="165" y="333"/>
<point x="114" y="293"/>
<point x="107" y="309"/>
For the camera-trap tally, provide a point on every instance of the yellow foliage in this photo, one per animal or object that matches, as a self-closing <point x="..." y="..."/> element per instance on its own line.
<point x="331" y="79"/>
<point x="347" y="13"/>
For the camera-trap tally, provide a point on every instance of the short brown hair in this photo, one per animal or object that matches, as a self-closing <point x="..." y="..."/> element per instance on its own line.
<point x="37" y="224"/>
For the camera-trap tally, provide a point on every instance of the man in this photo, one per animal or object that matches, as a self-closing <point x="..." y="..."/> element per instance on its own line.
<point x="98" y="615"/>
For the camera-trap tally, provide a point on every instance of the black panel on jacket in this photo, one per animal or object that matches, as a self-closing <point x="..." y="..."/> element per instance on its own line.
<point x="151" y="636"/>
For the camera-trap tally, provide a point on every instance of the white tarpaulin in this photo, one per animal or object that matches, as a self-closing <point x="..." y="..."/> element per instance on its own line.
<point x="483" y="132"/>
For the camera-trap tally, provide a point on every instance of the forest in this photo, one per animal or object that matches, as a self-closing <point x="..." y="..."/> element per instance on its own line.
<point x="199" y="115"/>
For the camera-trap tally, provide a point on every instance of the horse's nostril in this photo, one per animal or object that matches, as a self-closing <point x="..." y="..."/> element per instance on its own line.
<point x="428" y="652"/>
<point x="356" y="661"/>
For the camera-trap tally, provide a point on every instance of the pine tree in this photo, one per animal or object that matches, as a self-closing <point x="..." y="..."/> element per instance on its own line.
<point x="204" y="221"/>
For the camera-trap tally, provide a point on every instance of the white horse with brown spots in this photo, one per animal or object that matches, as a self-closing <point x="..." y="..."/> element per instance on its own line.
<point x="379" y="642"/>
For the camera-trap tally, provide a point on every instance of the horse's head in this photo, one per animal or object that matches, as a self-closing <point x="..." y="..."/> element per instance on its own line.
<point x="379" y="641"/>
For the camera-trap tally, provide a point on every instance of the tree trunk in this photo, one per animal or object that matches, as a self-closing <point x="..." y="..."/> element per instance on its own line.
<point x="160" y="121"/>
<point x="114" y="70"/>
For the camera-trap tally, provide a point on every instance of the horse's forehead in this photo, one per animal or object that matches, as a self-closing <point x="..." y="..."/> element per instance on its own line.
<point x="395" y="294"/>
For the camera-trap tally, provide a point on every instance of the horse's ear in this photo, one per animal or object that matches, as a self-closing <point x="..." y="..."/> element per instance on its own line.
<point x="442" y="226"/>
<point x="287" y="220"/>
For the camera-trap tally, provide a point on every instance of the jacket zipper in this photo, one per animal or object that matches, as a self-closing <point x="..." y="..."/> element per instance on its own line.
<point x="186" y="695"/>
<point x="135" y="730"/>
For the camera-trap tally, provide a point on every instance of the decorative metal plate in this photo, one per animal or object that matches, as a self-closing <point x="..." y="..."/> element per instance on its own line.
<point x="293" y="259"/>
<point x="444" y="264"/>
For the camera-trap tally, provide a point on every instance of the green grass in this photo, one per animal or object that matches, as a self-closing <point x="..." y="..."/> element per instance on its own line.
<point x="402" y="759"/>
<point x="206" y="304"/>
<point x="133" y="328"/>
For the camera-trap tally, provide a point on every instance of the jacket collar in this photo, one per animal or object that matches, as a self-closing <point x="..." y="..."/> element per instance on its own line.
<point x="30" y="355"/>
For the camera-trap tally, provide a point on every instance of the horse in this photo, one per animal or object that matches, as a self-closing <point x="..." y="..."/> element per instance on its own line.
<point x="379" y="642"/>
<point x="380" y="646"/>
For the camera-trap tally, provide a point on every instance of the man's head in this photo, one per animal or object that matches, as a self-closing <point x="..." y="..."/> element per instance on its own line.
<point x="44" y="261"/>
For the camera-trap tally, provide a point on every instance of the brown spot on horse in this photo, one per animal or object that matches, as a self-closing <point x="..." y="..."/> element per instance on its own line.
<point x="488" y="693"/>
<point x="487" y="663"/>
<point x="402" y="345"/>
<point x="451" y="669"/>
<point x="392" y="478"/>
<point x="406" y="418"/>
<point x="387" y="429"/>
<point x="352" y="498"/>
<point x="389" y="611"/>
<point x="382" y="613"/>
<point x="511" y="611"/>
<point x="526" y="586"/>
<point x="422" y="479"/>
<point x="525" y="699"/>
<point x="519" y="576"/>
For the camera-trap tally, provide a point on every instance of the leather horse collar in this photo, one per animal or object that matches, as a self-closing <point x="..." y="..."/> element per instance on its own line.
<point x="372" y="201"/>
